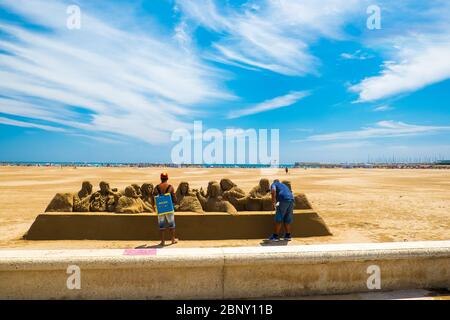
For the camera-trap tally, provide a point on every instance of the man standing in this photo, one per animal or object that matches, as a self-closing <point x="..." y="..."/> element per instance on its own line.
<point x="162" y="189"/>
<point x="283" y="202"/>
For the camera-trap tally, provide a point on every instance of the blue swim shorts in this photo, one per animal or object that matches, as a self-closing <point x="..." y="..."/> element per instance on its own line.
<point x="285" y="212"/>
<point x="166" y="219"/>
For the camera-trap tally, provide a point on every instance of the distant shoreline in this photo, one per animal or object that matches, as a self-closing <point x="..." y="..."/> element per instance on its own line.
<point x="236" y="166"/>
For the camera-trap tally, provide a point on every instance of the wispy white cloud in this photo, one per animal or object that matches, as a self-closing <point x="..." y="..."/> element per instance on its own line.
<point x="357" y="55"/>
<point x="416" y="50"/>
<point x="275" y="103"/>
<point x="382" y="129"/>
<point x="415" y="68"/>
<point x="382" y="108"/>
<point x="100" y="139"/>
<point x="100" y="78"/>
<point x="341" y="146"/>
<point x="17" y="123"/>
<point x="273" y="35"/>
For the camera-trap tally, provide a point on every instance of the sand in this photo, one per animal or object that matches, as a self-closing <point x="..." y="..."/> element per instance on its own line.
<point x="358" y="205"/>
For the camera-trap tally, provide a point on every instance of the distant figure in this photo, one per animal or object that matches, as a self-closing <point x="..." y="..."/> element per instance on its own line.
<point x="283" y="203"/>
<point x="166" y="219"/>
<point x="286" y="170"/>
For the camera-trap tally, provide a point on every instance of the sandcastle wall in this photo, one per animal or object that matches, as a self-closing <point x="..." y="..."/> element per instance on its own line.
<point x="190" y="226"/>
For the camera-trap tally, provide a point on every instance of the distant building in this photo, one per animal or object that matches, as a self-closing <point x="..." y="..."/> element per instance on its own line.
<point x="443" y="162"/>
<point x="308" y="165"/>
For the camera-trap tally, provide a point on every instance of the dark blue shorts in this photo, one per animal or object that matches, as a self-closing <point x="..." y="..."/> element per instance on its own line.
<point x="285" y="212"/>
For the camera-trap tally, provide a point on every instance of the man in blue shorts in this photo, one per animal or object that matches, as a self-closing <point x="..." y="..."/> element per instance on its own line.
<point x="167" y="219"/>
<point x="283" y="202"/>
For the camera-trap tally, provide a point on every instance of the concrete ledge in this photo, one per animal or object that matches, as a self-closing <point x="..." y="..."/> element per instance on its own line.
<point x="244" y="272"/>
<point x="190" y="226"/>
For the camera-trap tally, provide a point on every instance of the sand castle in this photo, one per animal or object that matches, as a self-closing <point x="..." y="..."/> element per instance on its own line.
<point x="225" y="196"/>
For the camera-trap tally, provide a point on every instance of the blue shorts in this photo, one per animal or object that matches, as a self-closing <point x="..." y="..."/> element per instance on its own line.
<point x="285" y="212"/>
<point x="168" y="219"/>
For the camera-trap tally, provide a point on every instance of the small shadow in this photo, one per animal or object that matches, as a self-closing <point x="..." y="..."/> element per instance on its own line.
<point x="269" y="243"/>
<point x="155" y="246"/>
<point x="438" y="292"/>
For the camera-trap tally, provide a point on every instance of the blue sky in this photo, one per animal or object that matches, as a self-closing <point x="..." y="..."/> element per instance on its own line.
<point x="115" y="89"/>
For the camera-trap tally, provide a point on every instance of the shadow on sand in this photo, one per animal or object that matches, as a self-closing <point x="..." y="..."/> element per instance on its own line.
<point x="268" y="243"/>
<point x="155" y="246"/>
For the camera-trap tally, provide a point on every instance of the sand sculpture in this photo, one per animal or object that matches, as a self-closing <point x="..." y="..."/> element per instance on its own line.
<point x="213" y="202"/>
<point x="137" y="189"/>
<point x="81" y="201"/>
<point x="147" y="194"/>
<point x="68" y="202"/>
<point x="206" y="195"/>
<point x="301" y="202"/>
<point x="232" y="193"/>
<point x="225" y="196"/>
<point x="61" y="202"/>
<point x="259" y="198"/>
<point x="105" y="199"/>
<point x="131" y="202"/>
<point x="261" y="190"/>
<point x="186" y="199"/>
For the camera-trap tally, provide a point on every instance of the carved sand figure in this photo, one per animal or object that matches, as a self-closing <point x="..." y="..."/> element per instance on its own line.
<point x="187" y="200"/>
<point x="137" y="189"/>
<point x="226" y="185"/>
<point x="214" y="202"/>
<point x="300" y="200"/>
<point x="261" y="190"/>
<point x="61" y="202"/>
<point x="218" y="197"/>
<point x="104" y="200"/>
<point x="232" y="193"/>
<point x="147" y="194"/>
<point x="259" y="198"/>
<point x="81" y="199"/>
<point x="130" y="202"/>
<point x="206" y="195"/>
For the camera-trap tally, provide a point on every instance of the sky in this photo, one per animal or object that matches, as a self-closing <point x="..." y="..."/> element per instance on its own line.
<point x="116" y="88"/>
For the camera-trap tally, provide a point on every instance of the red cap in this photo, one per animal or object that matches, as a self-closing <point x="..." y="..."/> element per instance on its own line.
<point x="164" y="175"/>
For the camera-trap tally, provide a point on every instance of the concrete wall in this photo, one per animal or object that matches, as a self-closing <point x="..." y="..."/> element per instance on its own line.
<point x="244" y="272"/>
<point x="190" y="226"/>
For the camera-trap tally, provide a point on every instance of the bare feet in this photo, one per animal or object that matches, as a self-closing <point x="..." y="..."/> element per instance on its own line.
<point x="174" y="240"/>
<point x="162" y="244"/>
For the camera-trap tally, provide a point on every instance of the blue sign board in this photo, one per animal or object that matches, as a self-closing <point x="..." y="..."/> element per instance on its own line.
<point x="164" y="204"/>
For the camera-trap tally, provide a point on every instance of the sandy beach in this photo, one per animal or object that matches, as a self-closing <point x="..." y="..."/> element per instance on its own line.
<point x="358" y="205"/>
